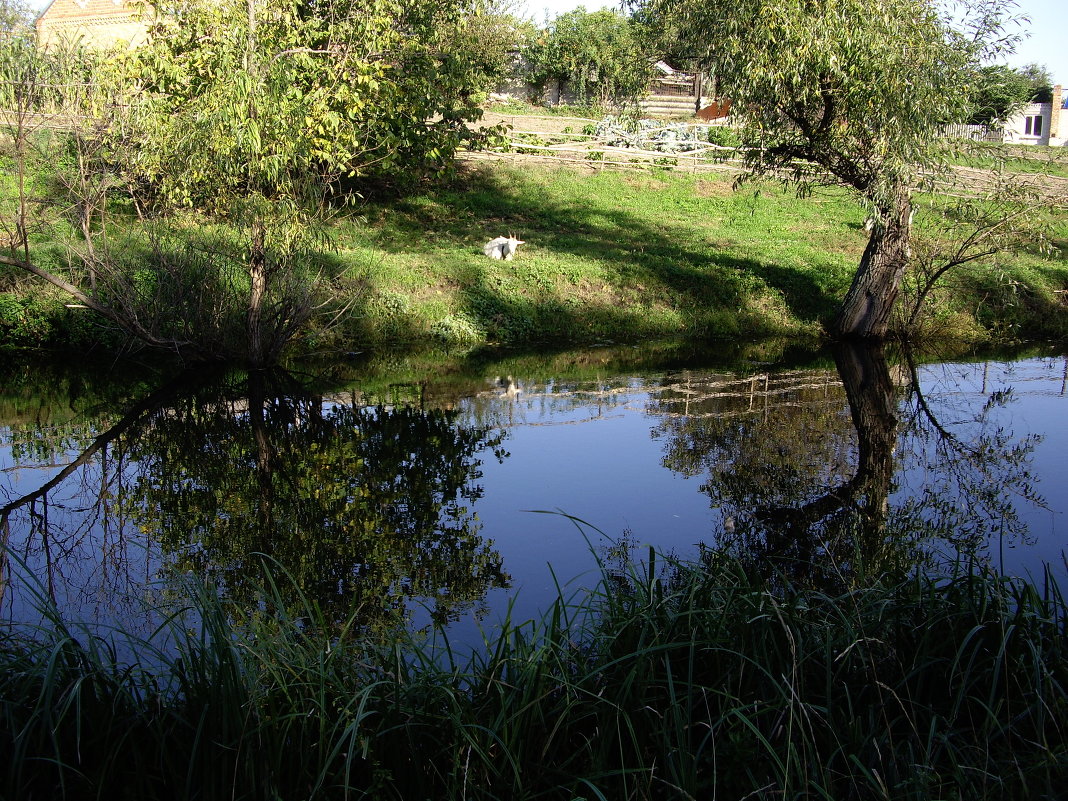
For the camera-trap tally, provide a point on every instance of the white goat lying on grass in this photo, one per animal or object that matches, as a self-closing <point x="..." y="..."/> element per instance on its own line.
<point x="503" y="247"/>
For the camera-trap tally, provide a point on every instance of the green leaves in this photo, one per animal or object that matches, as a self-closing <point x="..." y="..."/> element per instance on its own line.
<point x="1000" y="91"/>
<point x="245" y="107"/>
<point x="282" y="92"/>
<point x="600" y="55"/>
<point x="857" y="87"/>
<point x="251" y="112"/>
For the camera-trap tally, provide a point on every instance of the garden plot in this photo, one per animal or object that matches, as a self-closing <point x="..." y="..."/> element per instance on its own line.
<point x="614" y="141"/>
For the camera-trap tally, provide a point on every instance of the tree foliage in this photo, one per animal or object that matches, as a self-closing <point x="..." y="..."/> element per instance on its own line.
<point x="1041" y="82"/>
<point x="16" y="18"/>
<point x="492" y="40"/>
<point x="600" y="55"/>
<point x="267" y="105"/>
<point x="852" y="92"/>
<point x="1001" y="91"/>
<point x="264" y="116"/>
<point x="263" y="96"/>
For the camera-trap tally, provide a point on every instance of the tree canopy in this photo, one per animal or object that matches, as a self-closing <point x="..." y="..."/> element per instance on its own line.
<point x="1000" y="91"/>
<point x="851" y="92"/>
<point x="16" y="17"/>
<point x="601" y="55"/>
<point x="263" y="116"/>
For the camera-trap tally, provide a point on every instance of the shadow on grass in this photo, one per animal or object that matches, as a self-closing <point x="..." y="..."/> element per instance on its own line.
<point x="662" y="265"/>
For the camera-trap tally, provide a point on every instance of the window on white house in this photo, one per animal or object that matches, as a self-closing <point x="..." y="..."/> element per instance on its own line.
<point x="1033" y="126"/>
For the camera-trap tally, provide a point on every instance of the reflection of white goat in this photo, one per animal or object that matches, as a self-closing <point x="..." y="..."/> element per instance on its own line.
<point x="510" y="387"/>
<point x="503" y="247"/>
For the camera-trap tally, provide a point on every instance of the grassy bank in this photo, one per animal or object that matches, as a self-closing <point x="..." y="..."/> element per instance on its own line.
<point x="610" y="256"/>
<point x="711" y="681"/>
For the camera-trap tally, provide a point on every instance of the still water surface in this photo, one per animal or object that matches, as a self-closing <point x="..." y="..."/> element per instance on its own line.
<point x="411" y="489"/>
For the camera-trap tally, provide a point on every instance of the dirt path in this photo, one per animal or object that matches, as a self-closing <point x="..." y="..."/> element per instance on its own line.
<point x="521" y="122"/>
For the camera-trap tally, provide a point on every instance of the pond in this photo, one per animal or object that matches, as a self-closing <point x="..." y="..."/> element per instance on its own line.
<point x="412" y="489"/>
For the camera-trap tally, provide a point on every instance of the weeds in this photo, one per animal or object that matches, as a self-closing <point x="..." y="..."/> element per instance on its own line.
<point x="690" y="681"/>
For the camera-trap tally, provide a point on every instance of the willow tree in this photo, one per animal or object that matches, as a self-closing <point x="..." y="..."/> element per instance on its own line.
<point x="851" y="92"/>
<point x="239" y="128"/>
<point x="238" y="112"/>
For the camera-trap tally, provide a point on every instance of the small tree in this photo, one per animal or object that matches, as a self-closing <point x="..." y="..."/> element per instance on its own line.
<point x="254" y="114"/>
<point x="852" y="92"/>
<point x="969" y="227"/>
<point x="239" y="112"/>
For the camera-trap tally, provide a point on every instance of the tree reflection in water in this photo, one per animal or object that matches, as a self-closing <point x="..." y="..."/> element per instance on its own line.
<point x="370" y="504"/>
<point x="364" y="508"/>
<point x="803" y="493"/>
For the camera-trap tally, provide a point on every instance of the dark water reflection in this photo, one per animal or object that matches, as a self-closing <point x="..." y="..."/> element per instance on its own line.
<point x="821" y="477"/>
<point x="402" y="488"/>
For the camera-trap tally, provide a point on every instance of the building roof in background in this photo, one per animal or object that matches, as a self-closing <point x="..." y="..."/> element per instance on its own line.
<point x="94" y="23"/>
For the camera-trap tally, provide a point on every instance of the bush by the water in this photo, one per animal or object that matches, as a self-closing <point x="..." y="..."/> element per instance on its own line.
<point x="703" y="681"/>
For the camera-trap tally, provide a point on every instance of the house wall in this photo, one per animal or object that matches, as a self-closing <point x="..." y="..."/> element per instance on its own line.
<point x="1051" y="120"/>
<point x="92" y="23"/>
<point x="1058" y="127"/>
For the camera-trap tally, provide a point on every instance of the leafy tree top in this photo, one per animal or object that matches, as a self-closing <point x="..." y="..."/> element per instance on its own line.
<point x="1001" y="91"/>
<point x="601" y="54"/>
<point x="852" y="88"/>
<point x="16" y="18"/>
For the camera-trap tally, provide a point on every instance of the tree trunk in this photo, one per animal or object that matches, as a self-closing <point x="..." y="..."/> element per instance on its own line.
<point x="265" y="457"/>
<point x="873" y="407"/>
<point x="865" y="312"/>
<point x="257" y="271"/>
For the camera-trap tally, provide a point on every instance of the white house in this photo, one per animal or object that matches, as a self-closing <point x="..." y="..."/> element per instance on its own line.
<point x="1040" y="123"/>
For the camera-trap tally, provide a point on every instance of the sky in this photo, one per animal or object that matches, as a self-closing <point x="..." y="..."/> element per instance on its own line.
<point x="1047" y="44"/>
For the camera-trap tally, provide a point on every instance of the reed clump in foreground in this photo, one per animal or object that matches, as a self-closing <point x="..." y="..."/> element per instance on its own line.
<point x="703" y="681"/>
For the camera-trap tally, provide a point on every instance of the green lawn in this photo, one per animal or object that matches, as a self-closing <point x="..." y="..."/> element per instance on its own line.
<point x="609" y="256"/>
<point x="627" y="255"/>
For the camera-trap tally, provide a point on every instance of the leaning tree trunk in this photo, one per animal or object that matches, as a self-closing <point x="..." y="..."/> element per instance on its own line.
<point x="865" y="312"/>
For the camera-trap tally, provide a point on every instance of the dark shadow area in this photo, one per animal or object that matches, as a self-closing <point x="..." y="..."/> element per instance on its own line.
<point x="1018" y="312"/>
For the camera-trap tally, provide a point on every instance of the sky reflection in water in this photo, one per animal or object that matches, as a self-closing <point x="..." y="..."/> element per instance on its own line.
<point x="429" y="495"/>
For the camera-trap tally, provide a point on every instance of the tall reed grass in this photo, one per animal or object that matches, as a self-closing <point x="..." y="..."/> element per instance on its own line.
<point x="699" y="681"/>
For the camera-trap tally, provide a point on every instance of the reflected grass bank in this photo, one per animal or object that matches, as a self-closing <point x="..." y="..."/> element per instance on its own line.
<point x="713" y="679"/>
